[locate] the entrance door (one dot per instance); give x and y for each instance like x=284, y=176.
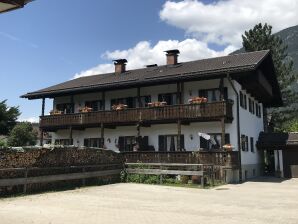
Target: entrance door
x=290, y=161
x=269, y=163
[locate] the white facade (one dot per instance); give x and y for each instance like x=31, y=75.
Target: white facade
x=250, y=124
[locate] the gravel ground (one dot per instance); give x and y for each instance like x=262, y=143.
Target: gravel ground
x=260, y=201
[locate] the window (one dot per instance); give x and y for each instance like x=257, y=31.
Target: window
x=93, y=142
x=214, y=142
x=132, y=102
x=252, y=147
x=96, y=105
x=251, y=106
x=170, y=98
x=213, y=95
x=66, y=108
x=258, y=110
x=244, y=142
x=168, y=143
x=243, y=100
x=63, y=141
x=126, y=143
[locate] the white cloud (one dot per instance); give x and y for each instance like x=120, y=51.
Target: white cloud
x=29, y=119
x=224, y=21
x=143, y=54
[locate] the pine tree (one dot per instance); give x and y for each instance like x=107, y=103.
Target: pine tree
x=261, y=38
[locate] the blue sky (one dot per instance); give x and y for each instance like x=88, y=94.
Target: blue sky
x=48, y=42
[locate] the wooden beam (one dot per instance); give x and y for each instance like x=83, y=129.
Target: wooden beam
x=223, y=132
x=102, y=135
x=139, y=97
x=179, y=136
x=103, y=100
x=41, y=130
x=70, y=134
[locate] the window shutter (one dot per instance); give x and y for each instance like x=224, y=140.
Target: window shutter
x=225, y=93
x=227, y=139
x=121, y=143
x=86, y=142
x=161, y=143
x=241, y=99
x=203, y=143
x=182, y=142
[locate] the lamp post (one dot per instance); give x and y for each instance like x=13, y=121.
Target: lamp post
x=8, y=5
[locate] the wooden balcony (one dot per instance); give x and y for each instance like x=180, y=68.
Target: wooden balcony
x=158, y=115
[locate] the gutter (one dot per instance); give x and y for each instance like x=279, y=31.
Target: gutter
x=238, y=127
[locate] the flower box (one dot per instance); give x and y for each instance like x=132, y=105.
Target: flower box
x=197, y=100
x=157, y=104
x=228, y=147
x=119, y=107
x=85, y=109
x=56, y=112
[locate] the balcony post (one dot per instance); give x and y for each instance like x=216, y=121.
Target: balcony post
x=72, y=103
x=180, y=87
x=103, y=100
x=102, y=135
x=42, y=114
x=223, y=132
x=139, y=97
x=179, y=135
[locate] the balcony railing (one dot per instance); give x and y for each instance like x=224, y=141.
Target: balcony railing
x=221, y=158
x=184, y=112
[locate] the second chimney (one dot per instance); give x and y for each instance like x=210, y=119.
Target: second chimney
x=120, y=65
x=172, y=56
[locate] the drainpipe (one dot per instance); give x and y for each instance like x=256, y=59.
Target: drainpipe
x=238, y=127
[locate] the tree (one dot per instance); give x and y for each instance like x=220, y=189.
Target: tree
x=22, y=135
x=8, y=117
x=261, y=38
x=291, y=126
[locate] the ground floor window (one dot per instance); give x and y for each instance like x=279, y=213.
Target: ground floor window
x=63, y=142
x=168, y=143
x=214, y=142
x=126, y=143
x=93, y=142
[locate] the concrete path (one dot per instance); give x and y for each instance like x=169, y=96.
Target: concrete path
x=251, y=202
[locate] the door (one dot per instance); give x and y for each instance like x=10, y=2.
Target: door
x=290, y=161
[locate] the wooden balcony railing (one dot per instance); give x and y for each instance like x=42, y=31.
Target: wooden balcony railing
x=190, y=112
x=221, y=158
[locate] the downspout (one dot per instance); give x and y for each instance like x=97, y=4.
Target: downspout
x=238, y=126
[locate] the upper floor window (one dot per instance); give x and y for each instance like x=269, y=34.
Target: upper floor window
x=251, y=106
x=66, y=108
x=170, y=98
x=96, y=105
x=63, y=141
x=258, y=110
x=213, y=95
x=243, y=100
x=132, y=102
x=214, y=142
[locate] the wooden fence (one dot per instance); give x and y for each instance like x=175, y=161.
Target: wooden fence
x=203, y=171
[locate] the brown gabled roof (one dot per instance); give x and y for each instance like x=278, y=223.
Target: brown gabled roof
x=277, y=141
x=205, y=68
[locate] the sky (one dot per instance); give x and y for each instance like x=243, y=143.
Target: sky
x=52, y=41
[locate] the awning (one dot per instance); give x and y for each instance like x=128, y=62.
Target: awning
x=277, y=141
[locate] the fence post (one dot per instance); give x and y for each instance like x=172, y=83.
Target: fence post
x=25, y=184
x=202, y=180
x=212, y=175
x=160, y=177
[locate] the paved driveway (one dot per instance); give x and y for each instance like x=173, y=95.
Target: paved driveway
x=251, y=202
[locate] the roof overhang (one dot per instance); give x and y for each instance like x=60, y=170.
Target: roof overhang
x=8, y=5
x=277, y=141
x=262, y=83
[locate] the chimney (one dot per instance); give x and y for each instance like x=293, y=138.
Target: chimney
x=120, y=65
x=172, y=56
